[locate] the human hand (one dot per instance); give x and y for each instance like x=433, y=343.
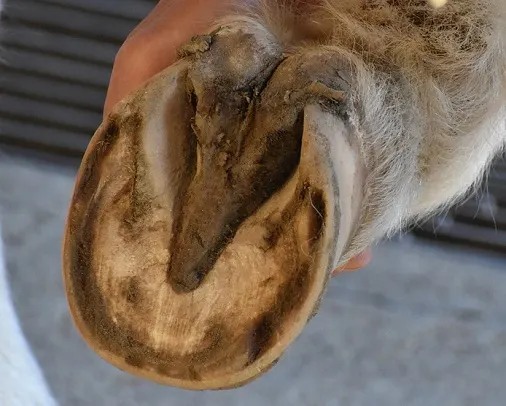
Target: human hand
x=152, y=46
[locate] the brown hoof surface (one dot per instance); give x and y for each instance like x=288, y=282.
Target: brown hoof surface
x=203, y=225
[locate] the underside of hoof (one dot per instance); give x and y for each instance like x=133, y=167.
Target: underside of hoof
x=203, y=226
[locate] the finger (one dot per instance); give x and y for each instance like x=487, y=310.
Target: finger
x=358, y=262
x=152, y=45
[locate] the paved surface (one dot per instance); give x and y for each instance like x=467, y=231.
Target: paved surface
x=423, y=325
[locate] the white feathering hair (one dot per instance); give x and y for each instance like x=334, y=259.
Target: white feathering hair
x=428, y=95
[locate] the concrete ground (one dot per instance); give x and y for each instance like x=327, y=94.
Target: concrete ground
x=424, y=324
